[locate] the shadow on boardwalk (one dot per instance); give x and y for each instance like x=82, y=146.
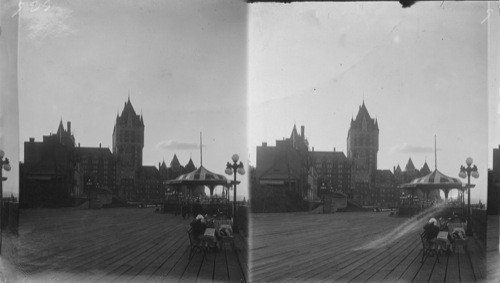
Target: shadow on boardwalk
x=356, y=246
x=125, y=244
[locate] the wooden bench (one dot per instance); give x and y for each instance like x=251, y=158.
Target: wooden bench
x=224, y=238
x=428, y=248
x=195, y=244
x=458, y=242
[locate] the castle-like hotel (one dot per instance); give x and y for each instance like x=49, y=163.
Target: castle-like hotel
x=320, y=174
x=57, y=172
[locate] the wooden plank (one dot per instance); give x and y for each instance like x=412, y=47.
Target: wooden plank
x=465, y=265
x=179, y=267
x=193, y=267
x=206, y=272
x=425, y=271
x=170, y=262
x=388, y=260
x=163, y=254
x=394, y=263
x=221, y=272
x=235, y=271
x=453, y=270
x=439, y=271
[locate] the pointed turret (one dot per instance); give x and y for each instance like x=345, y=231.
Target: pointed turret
x=190, y=166
x=425, y=169
x=409, y=166
x=60, y=129
x=363, y=120
x=175, y=162
x=294, y=132
x=129, y=116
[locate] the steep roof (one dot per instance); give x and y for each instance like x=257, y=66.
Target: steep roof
x=363, y=112
x=175, y=162
x=425, y=169
x=60, y=129
x=363, y=120
x=398, y=169
x=294, y=133
x=128, y=112
x=163, y=165
x=190, y=166
x=409, y=166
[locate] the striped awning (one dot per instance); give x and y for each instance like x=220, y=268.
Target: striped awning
x=434, y=180
x=200, y=176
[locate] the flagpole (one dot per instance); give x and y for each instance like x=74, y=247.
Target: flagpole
x=435, y=153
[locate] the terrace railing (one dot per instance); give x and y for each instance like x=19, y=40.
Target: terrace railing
x=10, y=216
x=242, y=218
x=478, y=224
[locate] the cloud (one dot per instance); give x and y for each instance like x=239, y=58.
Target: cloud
x=408, y=148
x=176, y=145
x=43, y=19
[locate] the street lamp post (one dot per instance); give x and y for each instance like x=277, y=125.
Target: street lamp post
x=467, y=172
x=4, y=165
x=231, y=169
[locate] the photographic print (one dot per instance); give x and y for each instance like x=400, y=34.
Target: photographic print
x=224, y=141
x=132, y=140
x=368, y=139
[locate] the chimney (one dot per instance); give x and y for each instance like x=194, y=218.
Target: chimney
x=99, y=145
x=32, y=139
x=78, y=144
x=69, y=127
x=302, y=131
x=334, y=149
x=264, y=144
x=313, y=148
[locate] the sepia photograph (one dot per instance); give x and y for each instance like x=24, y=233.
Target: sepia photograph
x=368, y=140
x=132, y=142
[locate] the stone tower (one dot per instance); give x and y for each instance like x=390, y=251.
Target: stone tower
x=362, y=149
x=128, y=143
x=362, y=141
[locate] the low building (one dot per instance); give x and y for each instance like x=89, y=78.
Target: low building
x=286, y=164
x=333, y=172
x=47, y=176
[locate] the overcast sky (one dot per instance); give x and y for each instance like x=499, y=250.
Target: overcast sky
x=183, y=63
x=421, y=71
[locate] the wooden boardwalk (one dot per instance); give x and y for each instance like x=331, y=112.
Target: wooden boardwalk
x=352, y=247
x=115, y=245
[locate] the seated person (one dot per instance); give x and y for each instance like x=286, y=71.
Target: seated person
x=432, y=229
x=198, y=226
x=226, y=231
x=458, y=234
